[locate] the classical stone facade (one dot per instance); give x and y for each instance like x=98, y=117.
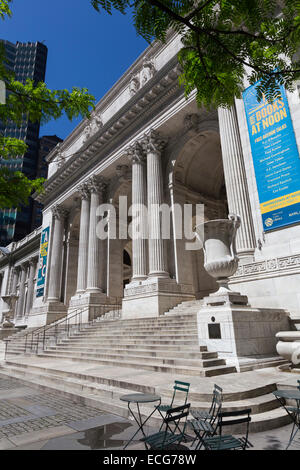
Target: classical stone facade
x=147, y=145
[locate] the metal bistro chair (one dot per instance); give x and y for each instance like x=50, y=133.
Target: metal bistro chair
x=230, y=442
x=174, y=431
x=178, y=387
x=205, y=422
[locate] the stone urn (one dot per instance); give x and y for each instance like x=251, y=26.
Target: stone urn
x=220, y=257
x=288, y=346
x=9, y=302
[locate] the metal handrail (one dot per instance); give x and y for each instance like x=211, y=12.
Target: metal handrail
x=42, y=330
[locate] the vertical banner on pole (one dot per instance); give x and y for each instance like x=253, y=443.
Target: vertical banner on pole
x=43, y=262
x=275, y=157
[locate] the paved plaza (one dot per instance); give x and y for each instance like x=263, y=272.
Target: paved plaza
x=32, y=419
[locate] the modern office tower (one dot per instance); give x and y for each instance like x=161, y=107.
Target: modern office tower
x=46, y=144
x=26, y=60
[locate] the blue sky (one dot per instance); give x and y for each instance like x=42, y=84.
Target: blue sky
x=85, y=48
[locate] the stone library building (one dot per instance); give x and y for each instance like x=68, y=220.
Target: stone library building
x=174, y=232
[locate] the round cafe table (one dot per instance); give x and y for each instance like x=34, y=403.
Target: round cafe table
x=138, y=398
x=292, y=411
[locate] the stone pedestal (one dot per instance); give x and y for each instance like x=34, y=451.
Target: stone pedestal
x=240, y=334
x=46, y=314
x=91, y=304
x=153, y=297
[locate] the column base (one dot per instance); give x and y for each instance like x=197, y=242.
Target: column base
x=92, y=305
x=242, y=335
x=153, y=297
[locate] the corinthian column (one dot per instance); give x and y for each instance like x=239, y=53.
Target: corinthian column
x=139, y=219
x=157, y=259
x=83, y=238
x=20, y=308
x=30, y=288
x=235, y=179
x=96, y=187
x=59, y=215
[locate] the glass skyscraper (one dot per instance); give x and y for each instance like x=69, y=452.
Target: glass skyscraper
x=26, y=60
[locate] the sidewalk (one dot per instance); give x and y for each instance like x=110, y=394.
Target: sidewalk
x=32, y=419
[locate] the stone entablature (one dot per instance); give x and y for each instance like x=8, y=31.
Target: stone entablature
x=134, y=80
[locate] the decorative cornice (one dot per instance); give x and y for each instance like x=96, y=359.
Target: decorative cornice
x=157, y=91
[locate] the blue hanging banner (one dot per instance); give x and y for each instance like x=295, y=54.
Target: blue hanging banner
x=275, y=157
x=43, y=262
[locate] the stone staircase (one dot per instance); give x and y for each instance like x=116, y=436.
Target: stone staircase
x=109, y=358
x=150, y=345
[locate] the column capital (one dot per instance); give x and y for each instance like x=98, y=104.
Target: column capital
x=153, y=142
x=83, y=191
x=136, y=153
x=59, y=212
x=96, y=184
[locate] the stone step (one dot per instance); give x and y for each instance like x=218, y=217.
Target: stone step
x=135, y=336
x=195, y=362
x=133, y=347
x=158, y=367
x=142, y=330
x=189, y=354
x=153, y=342
x=106, y=397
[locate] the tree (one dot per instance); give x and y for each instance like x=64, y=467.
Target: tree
x=37, y=103
x=224, y=41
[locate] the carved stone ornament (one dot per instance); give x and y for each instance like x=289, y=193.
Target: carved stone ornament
x=59, y=212
x=134, y=85
x=191, y=121
x=136, y=153
x=96, y=183
x=95, y=123
x=147, y=72
x=123, y=173
x=154, y=142
x=83, y=191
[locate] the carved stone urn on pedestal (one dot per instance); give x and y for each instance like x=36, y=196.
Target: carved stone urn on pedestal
x=220, y=257
x=9, y=302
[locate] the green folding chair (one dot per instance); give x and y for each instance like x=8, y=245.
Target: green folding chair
x=205, y=422
x=228, y=441
x=175, y=422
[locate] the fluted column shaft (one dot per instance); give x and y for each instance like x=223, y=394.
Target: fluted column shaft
x=15, y=274
x=21, y=299
x=157, y=257
x=93, y=278
x=139, y=220
x=30, y=287
x=83, y=239
x=235, y=179
x=59, y=216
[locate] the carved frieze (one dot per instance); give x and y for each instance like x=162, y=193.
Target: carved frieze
x=269, y=266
